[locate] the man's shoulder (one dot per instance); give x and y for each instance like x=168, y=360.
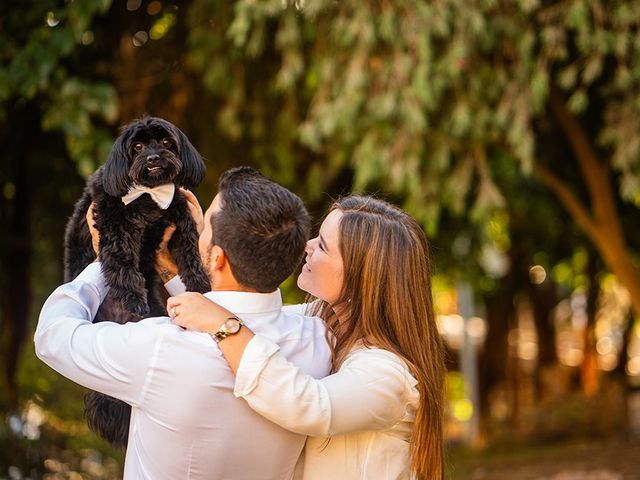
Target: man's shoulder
x=150, y=328
x=154, y=321
x=300, y=325
x=304, y=341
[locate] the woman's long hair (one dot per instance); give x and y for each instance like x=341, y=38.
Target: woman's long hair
x=386, y=303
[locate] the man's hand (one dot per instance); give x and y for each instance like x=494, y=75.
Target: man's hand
x=165, y=266
x=95, y=235
x=194, y=208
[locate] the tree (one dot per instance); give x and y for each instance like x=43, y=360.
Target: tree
x=38, y=94
x=461, y=111
x=421, y=97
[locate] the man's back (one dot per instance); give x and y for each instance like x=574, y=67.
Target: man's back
x=185, y=422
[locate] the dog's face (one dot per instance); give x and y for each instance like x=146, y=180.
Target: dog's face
x=154, y=154
x=151, y=151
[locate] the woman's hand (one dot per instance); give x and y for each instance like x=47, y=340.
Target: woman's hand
x=194, y=311
x=194, y=208
x=95, y=235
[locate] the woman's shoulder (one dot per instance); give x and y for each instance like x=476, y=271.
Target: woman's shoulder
x=360, y=350
x=378, y=357
x=390, y=369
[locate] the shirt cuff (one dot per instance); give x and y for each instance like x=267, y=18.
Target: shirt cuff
x=175, y=286
x=254, y=359
x=92, y=274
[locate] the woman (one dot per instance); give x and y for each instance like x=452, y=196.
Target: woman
x=380, y=413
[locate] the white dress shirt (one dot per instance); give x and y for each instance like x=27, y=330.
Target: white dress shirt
x=367, y=409
x=185, y=421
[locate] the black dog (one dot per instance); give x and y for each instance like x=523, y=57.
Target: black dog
x=150, y=152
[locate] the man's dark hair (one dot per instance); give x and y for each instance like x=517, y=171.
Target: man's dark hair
x=261, y=226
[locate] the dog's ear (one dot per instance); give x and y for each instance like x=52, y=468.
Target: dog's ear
x=115, y=179
x=193, y=167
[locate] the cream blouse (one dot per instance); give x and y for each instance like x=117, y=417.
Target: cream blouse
x=359, y=419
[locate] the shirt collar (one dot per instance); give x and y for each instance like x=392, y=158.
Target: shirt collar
x=247, y=302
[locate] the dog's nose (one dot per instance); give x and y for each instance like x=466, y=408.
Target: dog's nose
x=152, y=157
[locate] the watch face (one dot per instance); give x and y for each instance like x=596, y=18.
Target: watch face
x=232, y=325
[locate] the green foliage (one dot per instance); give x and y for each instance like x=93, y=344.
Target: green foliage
x=40, y=41
x=572, y=272
x=440, y=106
x=71, y=111
x=411, y=96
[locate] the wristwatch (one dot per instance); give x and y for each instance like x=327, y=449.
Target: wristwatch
x=231, y=326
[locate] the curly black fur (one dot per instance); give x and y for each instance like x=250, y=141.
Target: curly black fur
x=150, y=151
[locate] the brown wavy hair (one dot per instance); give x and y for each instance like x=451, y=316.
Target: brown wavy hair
x=386, y=302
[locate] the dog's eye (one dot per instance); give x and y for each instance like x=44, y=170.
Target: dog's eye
x=167, y=142
x=138, y=146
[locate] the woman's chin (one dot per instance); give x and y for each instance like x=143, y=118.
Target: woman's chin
x=305, y=284
x=301, y=282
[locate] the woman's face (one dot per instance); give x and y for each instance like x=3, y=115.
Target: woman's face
x=322, y=274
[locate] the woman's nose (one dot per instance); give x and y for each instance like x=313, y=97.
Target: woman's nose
x=310, y=245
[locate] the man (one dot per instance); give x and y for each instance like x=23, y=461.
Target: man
x=185, y=421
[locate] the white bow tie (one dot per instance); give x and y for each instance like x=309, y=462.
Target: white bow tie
x=162, y=194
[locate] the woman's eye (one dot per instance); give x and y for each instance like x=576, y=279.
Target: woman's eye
x=138, y=146
x=167, y=142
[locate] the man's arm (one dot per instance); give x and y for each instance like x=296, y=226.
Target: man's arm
x=165, y=266
x=106, y=357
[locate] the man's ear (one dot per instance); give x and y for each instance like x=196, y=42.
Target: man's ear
x=218, y=259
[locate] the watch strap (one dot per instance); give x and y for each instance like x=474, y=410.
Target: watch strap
x=223, y=332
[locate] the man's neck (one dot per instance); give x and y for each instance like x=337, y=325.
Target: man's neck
x=230, y=288
x=226, y=283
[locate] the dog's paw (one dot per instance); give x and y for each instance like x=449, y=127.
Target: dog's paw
x=140, y=310
x=136, y=305
x=197, y=283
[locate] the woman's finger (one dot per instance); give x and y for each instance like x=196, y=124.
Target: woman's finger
x=172, y=302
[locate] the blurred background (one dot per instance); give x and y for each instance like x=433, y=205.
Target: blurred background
x=509, y=128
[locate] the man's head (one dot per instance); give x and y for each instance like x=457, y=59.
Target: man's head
x=255, y=227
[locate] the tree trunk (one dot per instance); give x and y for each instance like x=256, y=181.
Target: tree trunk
x=494, y=363
x=601, y=222
x=15, y=253
x=589, y=375
x=543, y=299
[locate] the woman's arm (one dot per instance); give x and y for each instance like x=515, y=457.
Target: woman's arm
x=371, y=390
